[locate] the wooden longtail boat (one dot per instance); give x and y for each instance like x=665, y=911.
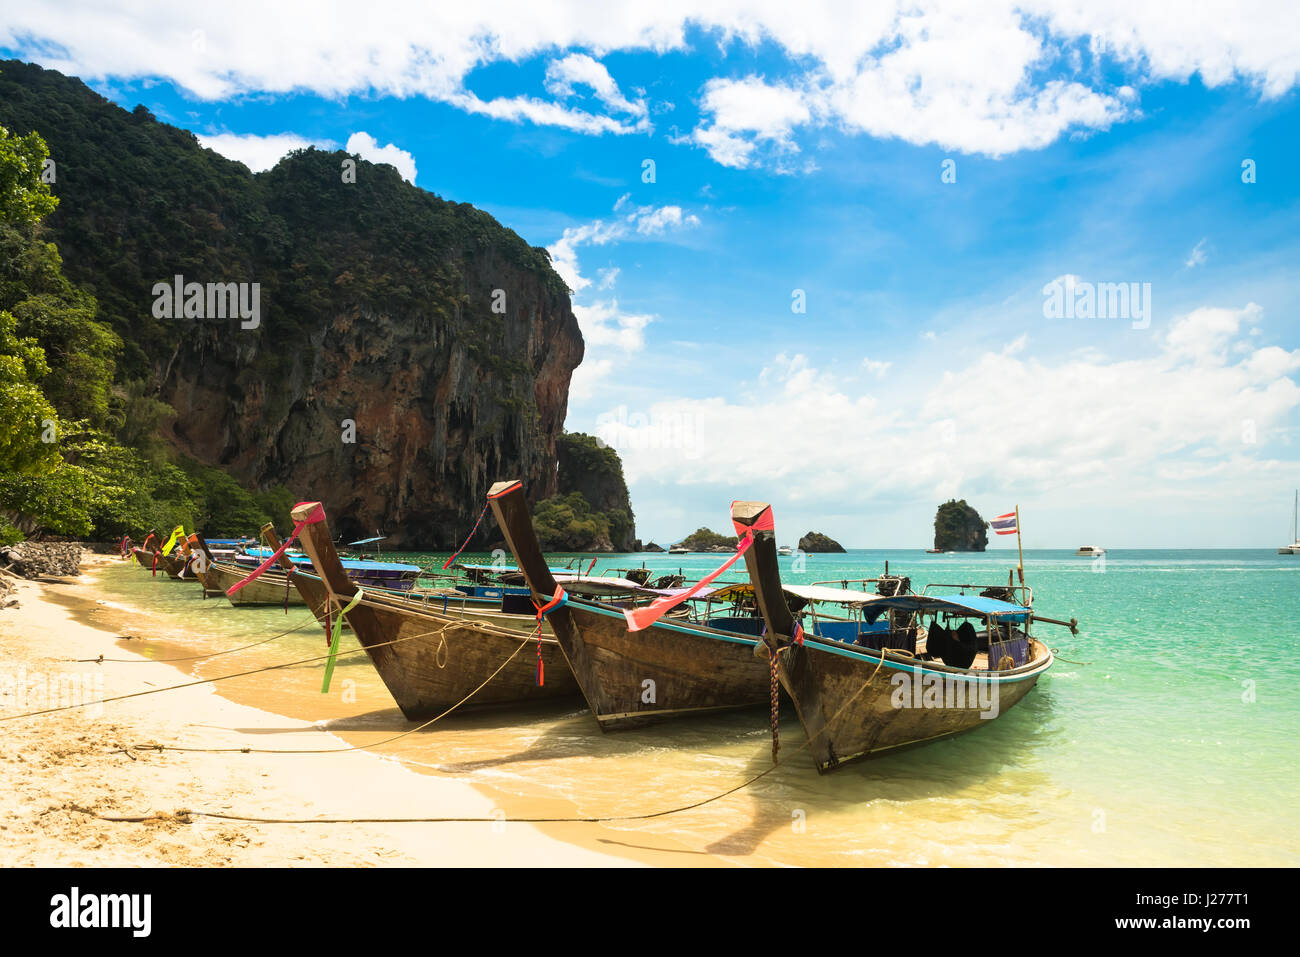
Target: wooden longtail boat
x=856, y=700
x=428, y=660
x=270, y=589
x=671, y=669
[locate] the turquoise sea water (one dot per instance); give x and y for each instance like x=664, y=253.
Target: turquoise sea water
x=1165, y=733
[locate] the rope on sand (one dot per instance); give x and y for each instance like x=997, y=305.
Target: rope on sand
x=238, y=674
x=186, y=815
x=355, y=747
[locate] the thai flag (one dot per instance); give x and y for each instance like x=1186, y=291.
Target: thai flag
x=1005, y=524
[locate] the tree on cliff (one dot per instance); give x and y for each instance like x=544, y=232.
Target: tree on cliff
x=589, y=466
x=377, y=304
x=959, y=528
x=63, y=465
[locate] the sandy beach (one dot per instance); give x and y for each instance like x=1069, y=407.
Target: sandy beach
x=63, y=770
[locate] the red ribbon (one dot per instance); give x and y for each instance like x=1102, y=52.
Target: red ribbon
x=639, y=619
x=447, y=563
x=558, y=599
x=317, y=515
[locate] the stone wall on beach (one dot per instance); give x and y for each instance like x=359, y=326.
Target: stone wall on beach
x=37, y=559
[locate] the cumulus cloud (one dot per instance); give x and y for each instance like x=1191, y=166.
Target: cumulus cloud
x=258, y=152
x=1086, y=422
x=989, y=78
x=367, y=147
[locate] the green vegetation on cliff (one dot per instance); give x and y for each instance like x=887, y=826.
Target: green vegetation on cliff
x=591, y=511
x=959, y=528
x=376, y=305
x=567, y=523
x=74, y=459
x=705, y=539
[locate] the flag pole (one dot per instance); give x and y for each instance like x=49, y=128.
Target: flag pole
x=1020, y=568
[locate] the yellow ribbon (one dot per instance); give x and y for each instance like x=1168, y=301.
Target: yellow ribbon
x=177, y=532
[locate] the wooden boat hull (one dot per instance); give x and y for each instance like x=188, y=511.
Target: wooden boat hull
x=171, y=565
x=430, y=661
x=854, y=701
x=852, y=705
x=630, y=679
x=270, y=589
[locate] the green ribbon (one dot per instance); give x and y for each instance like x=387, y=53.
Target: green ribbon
x=336, y=630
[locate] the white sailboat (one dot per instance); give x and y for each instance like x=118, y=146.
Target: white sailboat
x=1294, y=547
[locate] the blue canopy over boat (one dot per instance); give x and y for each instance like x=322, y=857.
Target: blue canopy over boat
x=503, y=569
x=353, y=564
x=955, y=604
x=367, y=541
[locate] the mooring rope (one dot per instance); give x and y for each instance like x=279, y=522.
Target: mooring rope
x=240, y=674
x=215, y=654
x=355, y=747
x=186, y=815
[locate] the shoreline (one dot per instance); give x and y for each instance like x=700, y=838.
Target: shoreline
x=59, y=764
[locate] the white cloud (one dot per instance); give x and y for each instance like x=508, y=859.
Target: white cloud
x=367, y=147
x=603, y=324
x=876, y=367
x=258, y=152
x=991, y=78
x=578, y=69
x=1197, y=256
x=1128, y=427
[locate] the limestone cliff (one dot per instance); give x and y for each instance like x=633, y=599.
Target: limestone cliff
x=959, y=528
x=408, y=351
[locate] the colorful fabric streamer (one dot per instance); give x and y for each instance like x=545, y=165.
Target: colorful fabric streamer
x=334, y=634
x=639, y=619
x=316, y=515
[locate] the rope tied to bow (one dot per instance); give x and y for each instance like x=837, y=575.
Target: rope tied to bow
x=465, y=544
x=559, y=599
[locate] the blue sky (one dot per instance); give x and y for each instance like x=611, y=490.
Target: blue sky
x=802, y=158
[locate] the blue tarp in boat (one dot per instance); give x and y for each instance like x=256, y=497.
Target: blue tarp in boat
x=350, y=563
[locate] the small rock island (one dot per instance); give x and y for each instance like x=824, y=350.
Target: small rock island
x=817, y=542
x=959, y=528
x=707, y=540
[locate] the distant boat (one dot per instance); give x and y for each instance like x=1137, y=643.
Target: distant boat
x=1090, y=551
x=785, y=550
x=1294, y=547
x=678, y=550
x=934, y=551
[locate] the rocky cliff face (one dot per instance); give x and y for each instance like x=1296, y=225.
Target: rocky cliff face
x=959, y=528
x=408, y=352
x=817, y=542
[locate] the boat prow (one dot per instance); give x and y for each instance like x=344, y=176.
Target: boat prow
x=863, y=689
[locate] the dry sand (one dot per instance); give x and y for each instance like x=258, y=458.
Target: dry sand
x=61, y=770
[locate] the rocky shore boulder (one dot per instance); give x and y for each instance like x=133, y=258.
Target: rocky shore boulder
x=35, y=559
x=817, y=542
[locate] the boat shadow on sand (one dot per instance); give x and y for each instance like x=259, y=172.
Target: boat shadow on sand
x=564, y=731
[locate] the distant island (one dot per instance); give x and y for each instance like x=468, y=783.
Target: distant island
x=959, y=528
x=652, y=547
x=707, y=540
x=817, y=542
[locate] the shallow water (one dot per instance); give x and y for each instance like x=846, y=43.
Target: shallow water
x=1173, y=744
